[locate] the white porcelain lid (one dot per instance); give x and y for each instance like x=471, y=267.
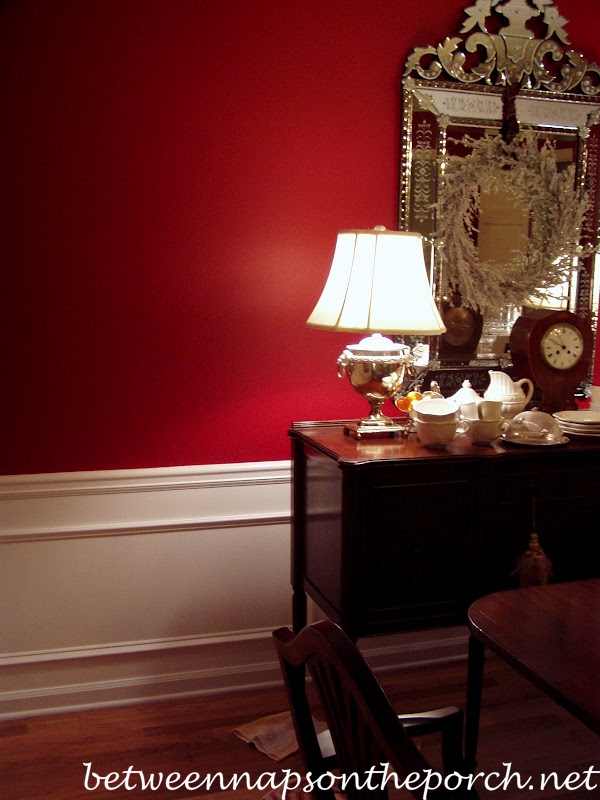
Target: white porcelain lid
x=381, y=345
x=466, y=394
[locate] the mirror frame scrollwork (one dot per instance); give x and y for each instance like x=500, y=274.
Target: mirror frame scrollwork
x=510, y=62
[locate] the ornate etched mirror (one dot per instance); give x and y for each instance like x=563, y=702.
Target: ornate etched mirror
x=500, y=163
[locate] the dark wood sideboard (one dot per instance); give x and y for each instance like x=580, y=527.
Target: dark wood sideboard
x=390, y=536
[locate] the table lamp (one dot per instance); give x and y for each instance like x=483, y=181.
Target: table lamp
x=378, y=285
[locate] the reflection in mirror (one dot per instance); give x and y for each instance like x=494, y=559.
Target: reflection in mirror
x=508, y=108
x=546, y=203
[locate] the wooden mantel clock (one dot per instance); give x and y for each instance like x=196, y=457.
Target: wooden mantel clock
x=555, y=352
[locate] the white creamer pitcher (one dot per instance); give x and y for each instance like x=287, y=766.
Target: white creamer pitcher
x=509, y=392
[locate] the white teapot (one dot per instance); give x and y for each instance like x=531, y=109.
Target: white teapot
x=509, y=392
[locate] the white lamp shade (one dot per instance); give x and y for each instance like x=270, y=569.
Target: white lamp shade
x=378, y=283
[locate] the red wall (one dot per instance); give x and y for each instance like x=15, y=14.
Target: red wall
x=174, y=177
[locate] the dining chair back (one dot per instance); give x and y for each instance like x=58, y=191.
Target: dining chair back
x=366, y=741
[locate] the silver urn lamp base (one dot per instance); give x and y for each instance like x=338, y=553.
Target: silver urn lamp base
x=375, y=368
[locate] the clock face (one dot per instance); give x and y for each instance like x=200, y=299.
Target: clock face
x=460, y=326
x=561, y=346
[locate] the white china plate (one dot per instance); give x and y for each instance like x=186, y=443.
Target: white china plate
x=586, y=426
x=533, y=441
x=582, y=434
x=581, y=417
x=572, y=428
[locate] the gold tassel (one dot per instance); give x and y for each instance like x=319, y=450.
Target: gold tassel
x=534, y=568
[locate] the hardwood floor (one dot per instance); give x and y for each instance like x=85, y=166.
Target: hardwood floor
x=43, y=758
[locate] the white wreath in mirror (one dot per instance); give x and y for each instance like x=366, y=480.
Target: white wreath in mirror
x=528, y=170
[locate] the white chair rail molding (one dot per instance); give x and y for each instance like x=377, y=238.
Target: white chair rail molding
x=126, y=586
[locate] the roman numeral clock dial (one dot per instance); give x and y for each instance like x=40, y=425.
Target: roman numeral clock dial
x=562, y=346
x=555, y=352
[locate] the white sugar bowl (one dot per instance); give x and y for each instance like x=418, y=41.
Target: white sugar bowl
x=467, y=399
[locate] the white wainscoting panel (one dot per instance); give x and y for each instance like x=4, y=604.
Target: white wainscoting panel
x=132, y=585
